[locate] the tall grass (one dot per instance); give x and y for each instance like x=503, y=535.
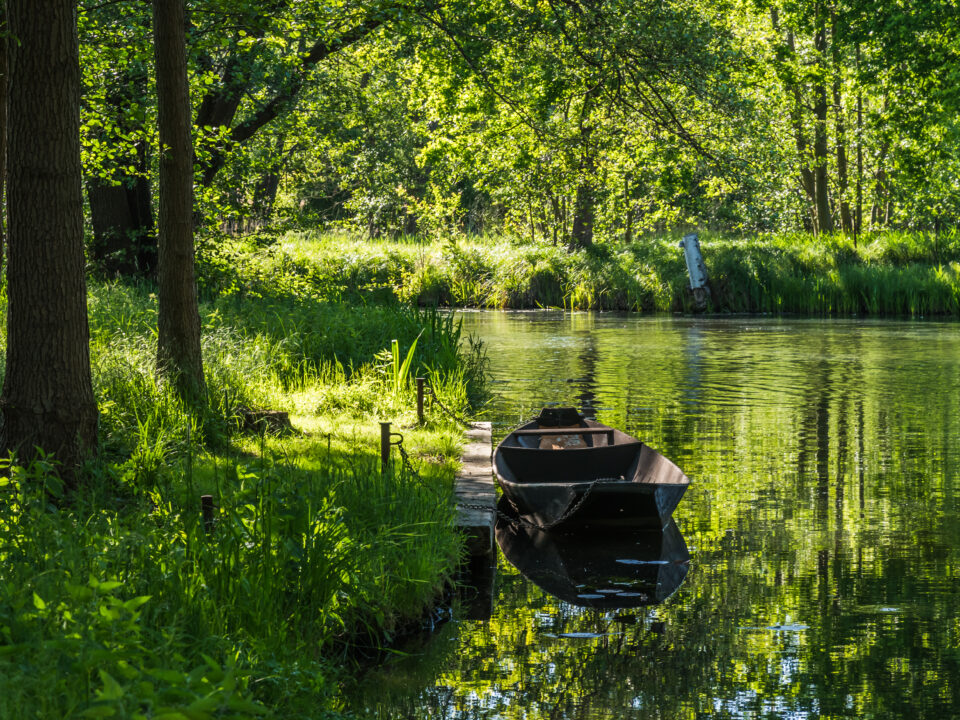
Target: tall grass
x=893, y=273
x=119, y=602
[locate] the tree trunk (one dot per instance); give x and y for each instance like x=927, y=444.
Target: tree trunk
x=124, y=239
x=841, y=130
x=880, y=190
x=47, y=399
x=800, y=137
x=178, y=341
x=628, y=212
x=824, y=218
x=584, y=208
x=858, y=217
x=265, y=195
x=4, y=88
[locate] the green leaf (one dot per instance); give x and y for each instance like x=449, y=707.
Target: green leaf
x=99, y=711
x=136, y=602
x=112, y=690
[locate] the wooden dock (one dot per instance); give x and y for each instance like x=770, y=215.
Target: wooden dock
x=475, y=488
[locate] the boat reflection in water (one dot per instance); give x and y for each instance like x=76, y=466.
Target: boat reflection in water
x=598, y=570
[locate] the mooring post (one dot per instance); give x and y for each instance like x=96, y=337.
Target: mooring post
x=384, y=447
x=206, y=509
x=420, y=385
x=696, y=269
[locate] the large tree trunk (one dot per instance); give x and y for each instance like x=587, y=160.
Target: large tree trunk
x=179, y=356
x=124, y=239
x=581, y=235
x=824, y=218
x=47, y=399
x=4, y=91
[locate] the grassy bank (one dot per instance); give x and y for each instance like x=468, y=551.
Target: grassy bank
x=889, y=274
x=120, y=602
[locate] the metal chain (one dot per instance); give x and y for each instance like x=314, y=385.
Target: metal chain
x=447, y=411
x=409, y=466
x=500, y=514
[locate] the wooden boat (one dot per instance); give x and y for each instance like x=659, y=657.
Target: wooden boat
x=597, y=570
x=565, y=472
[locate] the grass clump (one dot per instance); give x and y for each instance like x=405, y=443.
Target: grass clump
x=120, y=601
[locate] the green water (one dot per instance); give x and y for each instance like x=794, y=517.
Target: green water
x=822, y=526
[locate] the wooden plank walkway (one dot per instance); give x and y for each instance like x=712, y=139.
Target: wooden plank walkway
x=475, y=487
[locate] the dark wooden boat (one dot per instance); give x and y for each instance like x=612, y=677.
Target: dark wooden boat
x=599, y=570
x=565, y=472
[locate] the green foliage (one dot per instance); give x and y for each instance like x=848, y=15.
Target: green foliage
x=401, y=370
x=494, y=118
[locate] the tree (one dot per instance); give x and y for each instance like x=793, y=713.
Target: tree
x=47, y=398
x=118, y=132
x=179, y=356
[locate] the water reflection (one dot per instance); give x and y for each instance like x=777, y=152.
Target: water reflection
x=603, y=571
x=822, y=523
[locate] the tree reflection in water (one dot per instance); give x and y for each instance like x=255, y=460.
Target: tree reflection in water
x=821, y=522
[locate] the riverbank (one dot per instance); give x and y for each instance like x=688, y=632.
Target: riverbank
x=122, y=601
x=885, y=274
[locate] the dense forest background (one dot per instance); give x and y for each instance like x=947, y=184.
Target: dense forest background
x=559, y=120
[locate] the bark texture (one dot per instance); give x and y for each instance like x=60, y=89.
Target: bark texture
x=178, y=342
x=124, y=239
x=4, y=86
x=47, y=398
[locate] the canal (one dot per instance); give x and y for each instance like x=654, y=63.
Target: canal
x=819, y=574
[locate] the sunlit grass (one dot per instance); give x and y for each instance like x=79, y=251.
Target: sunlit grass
x=890, y=273
x=120, y=602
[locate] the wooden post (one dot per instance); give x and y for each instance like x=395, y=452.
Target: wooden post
x=384, y=447
x=206, y=508
x=420, y=384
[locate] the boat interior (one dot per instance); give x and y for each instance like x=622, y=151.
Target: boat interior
x=578, y=450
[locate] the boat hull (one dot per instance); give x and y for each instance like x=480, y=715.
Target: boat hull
x=611, y=481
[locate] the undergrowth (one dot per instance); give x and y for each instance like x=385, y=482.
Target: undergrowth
x=890, y=273
x=120, y=600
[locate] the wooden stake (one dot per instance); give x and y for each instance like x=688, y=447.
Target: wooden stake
x=420, y=385
x=206, y=508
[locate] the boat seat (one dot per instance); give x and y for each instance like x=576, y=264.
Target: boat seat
x=562, y=442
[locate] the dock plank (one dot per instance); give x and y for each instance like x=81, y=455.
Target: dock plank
x=475, y=487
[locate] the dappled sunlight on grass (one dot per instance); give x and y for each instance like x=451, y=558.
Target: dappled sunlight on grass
x=125, y=601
